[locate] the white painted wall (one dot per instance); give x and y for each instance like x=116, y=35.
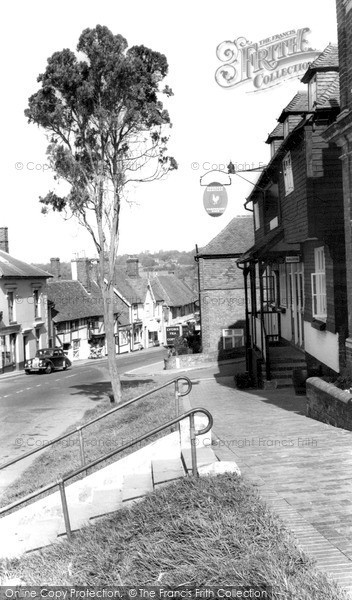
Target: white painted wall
x=324, y=345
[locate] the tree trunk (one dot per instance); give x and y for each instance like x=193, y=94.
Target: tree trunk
x=109, y=322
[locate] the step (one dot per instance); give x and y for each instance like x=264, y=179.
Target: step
x=136, y=486
x=205, y=456
x=273, y=383
x=167, y=470
x=276, y=366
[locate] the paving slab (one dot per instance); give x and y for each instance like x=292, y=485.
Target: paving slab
x=300, y=467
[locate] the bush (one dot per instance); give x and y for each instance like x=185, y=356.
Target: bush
x=243, y=380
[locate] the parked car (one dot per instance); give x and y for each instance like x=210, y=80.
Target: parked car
x=47, y=360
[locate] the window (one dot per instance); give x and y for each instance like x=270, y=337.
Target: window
x=10, y=304
x=232, y=338
x=123, y=337
x=312, y=92
x=319, y=286
x=286, y=127
x=288, y=174
x=36, y=304
x=256, y=216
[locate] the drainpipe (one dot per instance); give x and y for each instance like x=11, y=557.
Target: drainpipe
x=196, y=258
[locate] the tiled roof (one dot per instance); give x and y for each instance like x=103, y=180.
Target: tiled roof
x=12, y=267
x=277, y=133
x=331, y=96
x=236, y=238
x=72, y=301
x=173, y=291
x=327, y=60
x=298, y=105
x=133, y=289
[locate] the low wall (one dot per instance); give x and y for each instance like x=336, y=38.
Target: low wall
x=185, y=361
x=329, y=404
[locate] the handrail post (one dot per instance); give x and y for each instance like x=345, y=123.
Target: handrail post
x=81, y=445
x=65, y=509
x=177, y=398
x=193, y=445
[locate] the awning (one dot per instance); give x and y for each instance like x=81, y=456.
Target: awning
x=274, y=247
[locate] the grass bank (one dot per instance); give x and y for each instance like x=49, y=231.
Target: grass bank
x=195, y=532
x=104, y=436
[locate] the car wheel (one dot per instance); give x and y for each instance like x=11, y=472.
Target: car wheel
x=65, y=366
x=27, y=372
x=48, y=369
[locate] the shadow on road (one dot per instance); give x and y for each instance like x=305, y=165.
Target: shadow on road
x=102, y=389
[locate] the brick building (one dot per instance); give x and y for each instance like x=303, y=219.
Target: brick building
x=221, y=288
x=298, y=259
x=340, y=133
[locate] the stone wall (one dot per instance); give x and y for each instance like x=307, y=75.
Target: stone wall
x=329, y=404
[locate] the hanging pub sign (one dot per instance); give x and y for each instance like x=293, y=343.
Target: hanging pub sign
x=215, y=199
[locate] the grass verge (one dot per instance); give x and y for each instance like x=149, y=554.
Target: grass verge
x=195, y=532
x=99, y=439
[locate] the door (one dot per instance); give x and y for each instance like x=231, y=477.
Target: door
x=297, y=303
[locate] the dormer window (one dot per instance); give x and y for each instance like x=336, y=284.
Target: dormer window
x=286, y=127
x=312, y=92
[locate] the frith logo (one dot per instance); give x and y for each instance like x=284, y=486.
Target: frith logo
x=266, y=63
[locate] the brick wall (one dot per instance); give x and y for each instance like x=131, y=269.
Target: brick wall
x=344, y=28
x=328, y=404
x=222, y=301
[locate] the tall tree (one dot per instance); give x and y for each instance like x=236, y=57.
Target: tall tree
x=107, y=130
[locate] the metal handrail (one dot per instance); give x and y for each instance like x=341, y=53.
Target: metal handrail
x=79, y=429
x=61, y=482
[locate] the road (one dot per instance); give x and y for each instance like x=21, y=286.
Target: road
x=37, y=408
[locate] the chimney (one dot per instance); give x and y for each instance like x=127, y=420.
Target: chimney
x=132, y=267
x=81, y=271
x=4, y=239
x=55, y=268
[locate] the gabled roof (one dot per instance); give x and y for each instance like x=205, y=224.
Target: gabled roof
x=328, y=60
x=133, y=289
x=235, y=238
x=12, y=267
x=72, y=301
x=297, y=106
x=276, y=134
x=172, y=290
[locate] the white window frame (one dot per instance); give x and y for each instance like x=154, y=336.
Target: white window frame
x=318, y=281
x=286, y=127
x=233, y=335
x=283, y=285
x=288, y=174
x=256, y=215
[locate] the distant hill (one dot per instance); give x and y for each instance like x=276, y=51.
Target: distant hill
x=170, y=261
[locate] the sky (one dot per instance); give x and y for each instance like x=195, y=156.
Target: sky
x=211, y=124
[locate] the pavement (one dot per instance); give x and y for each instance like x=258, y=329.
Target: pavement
x=299, y=466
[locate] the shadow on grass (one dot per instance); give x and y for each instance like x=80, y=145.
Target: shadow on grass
x=102, y=389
